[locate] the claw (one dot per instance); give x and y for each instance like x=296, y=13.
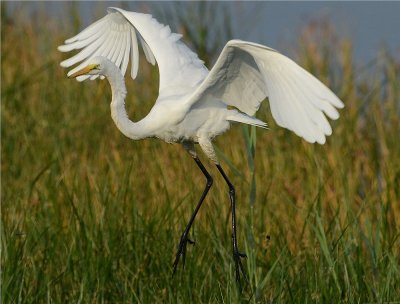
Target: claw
x=239, y=266
x=181, y=253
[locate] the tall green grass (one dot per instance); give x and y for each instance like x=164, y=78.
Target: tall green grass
x=89, y=216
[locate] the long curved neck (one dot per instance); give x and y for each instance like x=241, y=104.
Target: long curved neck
x=129, y=128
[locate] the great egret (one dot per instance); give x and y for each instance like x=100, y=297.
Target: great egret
x=194, y=104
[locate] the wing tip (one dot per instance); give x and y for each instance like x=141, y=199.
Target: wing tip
x=65, y=63
x=336, y=101
x=340, y=104
x=63, y=48
x=321, y=140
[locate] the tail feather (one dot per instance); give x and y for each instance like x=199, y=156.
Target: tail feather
x=244, y=118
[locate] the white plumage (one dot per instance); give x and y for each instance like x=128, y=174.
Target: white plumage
x=243, y=76
x=192, y=106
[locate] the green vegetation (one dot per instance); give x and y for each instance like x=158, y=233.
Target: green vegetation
x=89, y=216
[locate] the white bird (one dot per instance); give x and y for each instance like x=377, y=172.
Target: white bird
x=194, y=104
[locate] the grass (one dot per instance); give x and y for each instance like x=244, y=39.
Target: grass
x=89, y=216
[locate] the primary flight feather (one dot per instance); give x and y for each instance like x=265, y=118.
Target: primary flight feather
x=192, y=106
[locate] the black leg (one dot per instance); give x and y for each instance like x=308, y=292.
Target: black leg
x=184, y=238
x=236, y=254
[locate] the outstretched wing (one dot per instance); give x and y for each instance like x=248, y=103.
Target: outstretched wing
x=245, y=73
x=116, y=36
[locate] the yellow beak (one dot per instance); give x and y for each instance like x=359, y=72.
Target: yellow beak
x=83, y=71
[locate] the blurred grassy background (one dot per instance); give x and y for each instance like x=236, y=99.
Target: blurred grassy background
x=91, y=216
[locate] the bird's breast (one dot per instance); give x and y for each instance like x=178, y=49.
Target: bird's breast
x=198, y=122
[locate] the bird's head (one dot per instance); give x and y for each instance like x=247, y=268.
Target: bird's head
x=96, y=66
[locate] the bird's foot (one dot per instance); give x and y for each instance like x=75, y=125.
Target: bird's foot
x=238, y=265
x=181, y=251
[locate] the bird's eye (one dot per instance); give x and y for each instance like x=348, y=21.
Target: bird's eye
x=95, y=67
